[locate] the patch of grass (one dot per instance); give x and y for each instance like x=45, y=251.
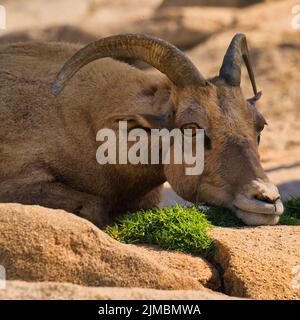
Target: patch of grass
x=222, y=217
x=291, y=214
x=183, y=229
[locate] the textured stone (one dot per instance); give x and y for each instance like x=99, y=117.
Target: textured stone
x=40, y=244
x=185, y=27
x=53, y=290
x=212, y=3
x=261, y=262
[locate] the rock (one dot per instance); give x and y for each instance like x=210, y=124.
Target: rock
x=40, y=244
x=103, y=14
x=212, y=3
x=271, y=17
x=21, y=290
x=60, y=33
x=261, y=262
x=185, y=27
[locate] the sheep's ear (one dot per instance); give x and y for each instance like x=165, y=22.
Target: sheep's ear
x=146, y=121
x=252, y=101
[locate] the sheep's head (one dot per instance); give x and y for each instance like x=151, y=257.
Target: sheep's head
x=233, y=175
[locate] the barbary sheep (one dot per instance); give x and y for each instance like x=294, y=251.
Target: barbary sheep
x=54, y=100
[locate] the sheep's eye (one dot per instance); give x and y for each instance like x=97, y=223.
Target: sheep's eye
x=190, y=129
x=259, y=130
x=192, y=132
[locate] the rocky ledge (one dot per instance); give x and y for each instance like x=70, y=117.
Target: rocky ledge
x=54, y=254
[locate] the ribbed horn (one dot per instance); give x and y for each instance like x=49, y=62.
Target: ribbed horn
x=159, y=53
x=237, y=52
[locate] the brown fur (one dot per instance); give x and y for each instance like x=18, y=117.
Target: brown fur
x=48, y=145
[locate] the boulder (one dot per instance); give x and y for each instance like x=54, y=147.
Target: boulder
x=40, y=244
x=65, y=33
x=21, y=290
x=261, y=262
x=211, y=3
x=185, y=27
x=97, y=16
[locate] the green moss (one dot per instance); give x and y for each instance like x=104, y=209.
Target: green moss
x=183, y=229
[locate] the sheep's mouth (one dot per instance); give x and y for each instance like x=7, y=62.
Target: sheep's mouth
x=256, y=212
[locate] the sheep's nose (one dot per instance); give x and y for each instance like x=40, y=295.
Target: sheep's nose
x=260, y=197
x=266, y=192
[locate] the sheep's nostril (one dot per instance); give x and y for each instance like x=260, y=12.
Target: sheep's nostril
x=266, y=199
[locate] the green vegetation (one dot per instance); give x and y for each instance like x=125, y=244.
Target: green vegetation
x=291, y=214
x=185, y=229
x=222, y=217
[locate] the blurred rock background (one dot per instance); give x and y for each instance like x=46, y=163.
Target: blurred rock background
x=203, y=29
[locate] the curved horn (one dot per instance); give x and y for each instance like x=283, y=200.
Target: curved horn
x=232, y=63
x=160, y=54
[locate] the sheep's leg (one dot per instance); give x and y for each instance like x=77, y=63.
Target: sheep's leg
x=57, y=196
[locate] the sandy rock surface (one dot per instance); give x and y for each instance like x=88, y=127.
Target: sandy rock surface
x=261, y=262
x=185, y=27
x=212, y=3
x=45, y=245
x=40, y=244
x=48, y=290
